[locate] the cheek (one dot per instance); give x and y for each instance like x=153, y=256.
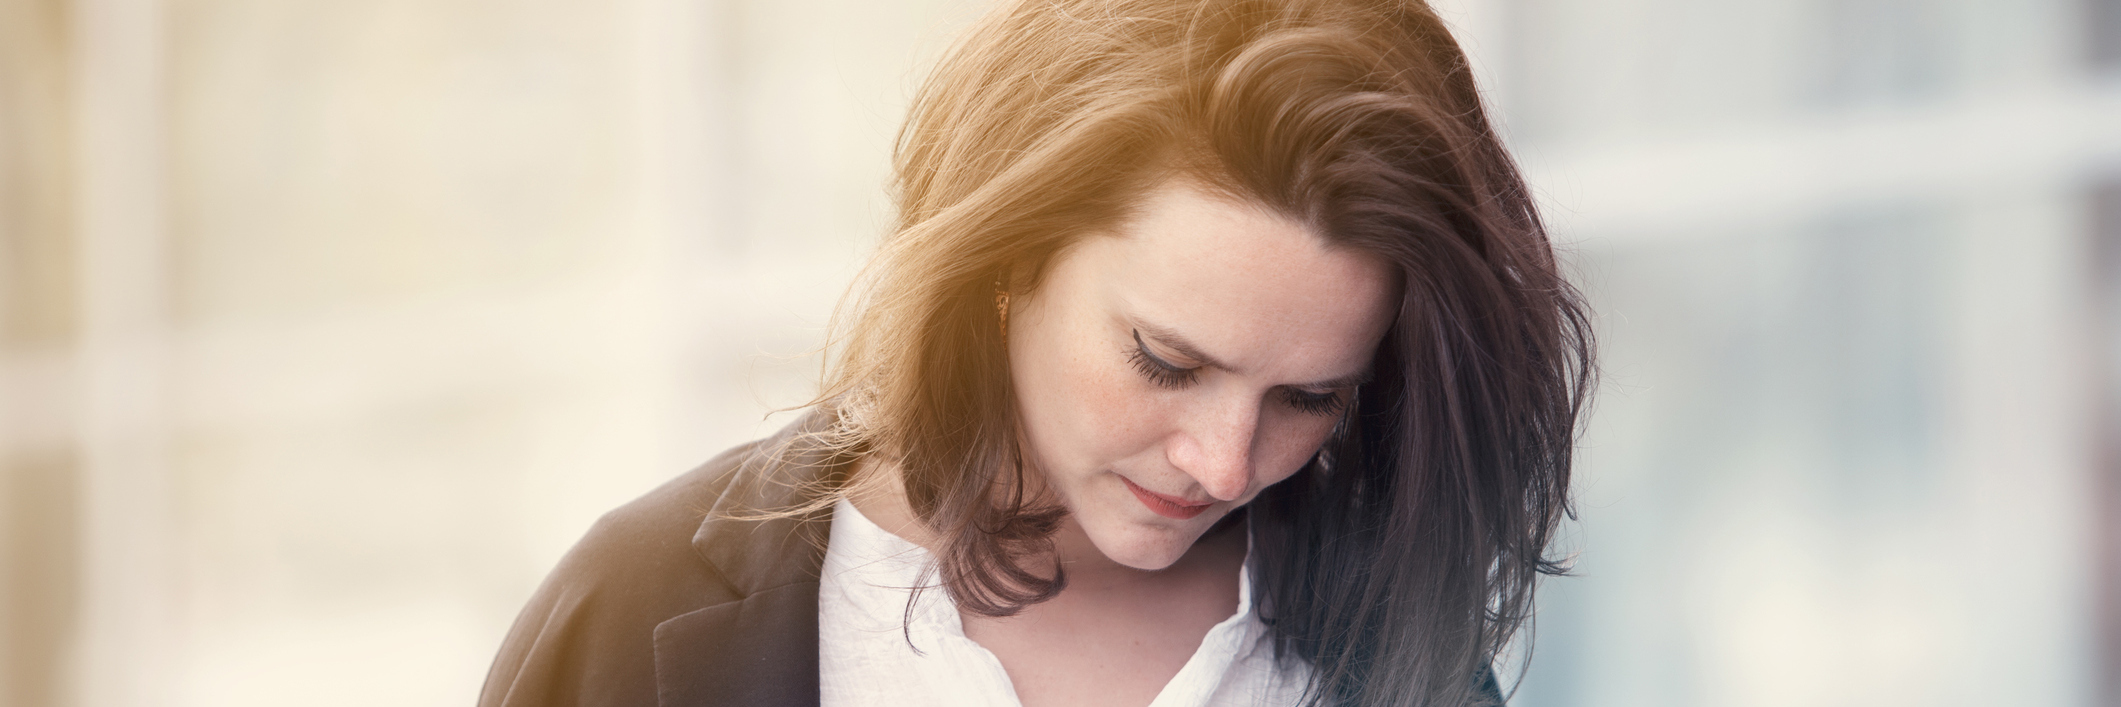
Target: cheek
x=1081, y=411
x=1117, y=419
x=1287, y=440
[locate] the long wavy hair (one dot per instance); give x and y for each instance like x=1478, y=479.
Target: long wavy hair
x=1402, y=558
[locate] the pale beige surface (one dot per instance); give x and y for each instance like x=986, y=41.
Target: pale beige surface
x=439, y=282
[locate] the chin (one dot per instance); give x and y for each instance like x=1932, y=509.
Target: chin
x=1147, y=547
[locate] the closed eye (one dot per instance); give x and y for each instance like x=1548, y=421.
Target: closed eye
x=1159, y=371
x=1308, y=402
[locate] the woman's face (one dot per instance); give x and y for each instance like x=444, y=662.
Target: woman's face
x=1169, y=371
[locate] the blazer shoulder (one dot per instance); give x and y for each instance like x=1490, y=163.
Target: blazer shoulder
x=587, y=635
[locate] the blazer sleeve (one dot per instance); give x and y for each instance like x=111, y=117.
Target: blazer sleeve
x=587, y=637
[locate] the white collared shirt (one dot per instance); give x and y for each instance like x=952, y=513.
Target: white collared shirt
x=864, y=657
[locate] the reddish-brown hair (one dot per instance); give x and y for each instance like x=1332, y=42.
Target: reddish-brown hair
x=1403, y=557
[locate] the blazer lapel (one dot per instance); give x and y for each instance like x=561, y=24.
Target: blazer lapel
x=760, y=649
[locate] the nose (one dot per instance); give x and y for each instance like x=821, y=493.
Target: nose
x=1216, y=449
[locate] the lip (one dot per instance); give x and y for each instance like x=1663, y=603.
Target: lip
x=1163, y=505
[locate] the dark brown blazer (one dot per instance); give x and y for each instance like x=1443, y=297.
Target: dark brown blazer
x=669, y=602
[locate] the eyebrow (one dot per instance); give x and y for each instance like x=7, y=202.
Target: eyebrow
x=1178, y=342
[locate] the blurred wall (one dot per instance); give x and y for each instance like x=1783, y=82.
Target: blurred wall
x=1849, y=447
x=329, y=325
x=326, y=326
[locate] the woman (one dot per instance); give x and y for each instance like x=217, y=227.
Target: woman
x=1218, y=357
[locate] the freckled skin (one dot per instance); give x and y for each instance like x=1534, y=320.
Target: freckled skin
x=1276, y=312
x=1260, y=294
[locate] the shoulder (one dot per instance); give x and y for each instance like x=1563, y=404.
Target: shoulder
x=643, y=549
x=587, y=636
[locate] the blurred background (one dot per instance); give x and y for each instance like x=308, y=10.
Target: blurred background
x=327, y=325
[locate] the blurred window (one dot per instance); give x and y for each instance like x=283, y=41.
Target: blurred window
x=2104, y=27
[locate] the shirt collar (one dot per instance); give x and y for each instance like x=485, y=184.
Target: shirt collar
x=876, y=568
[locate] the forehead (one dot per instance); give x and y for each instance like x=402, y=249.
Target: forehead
x=1242, y=280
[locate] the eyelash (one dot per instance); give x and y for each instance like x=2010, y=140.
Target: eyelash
x=1321, y=404
x=1156, y=369
x=1165, y=375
